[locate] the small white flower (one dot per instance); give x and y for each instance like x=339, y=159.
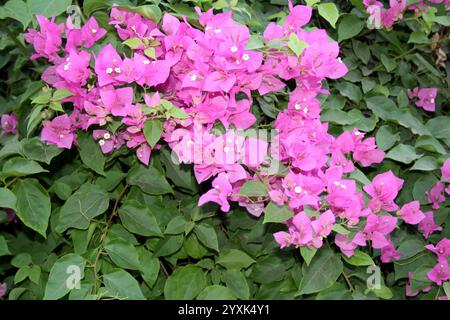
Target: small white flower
x=298, y=189
x=297, y=106
x=61, y=136
x=245, y=57
x=106, y=136
x=194, y=77
x=234, y=49
x=66, y=67
x=117, y=70
x=109, y=70
x=101, y=142
x=226, y=149
x=217, y=31
x=305, y=110
x=145, y=61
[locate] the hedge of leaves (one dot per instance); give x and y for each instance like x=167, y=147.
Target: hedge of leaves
x=96, y=107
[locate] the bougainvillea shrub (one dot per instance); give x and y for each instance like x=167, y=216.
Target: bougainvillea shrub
x=225, y=149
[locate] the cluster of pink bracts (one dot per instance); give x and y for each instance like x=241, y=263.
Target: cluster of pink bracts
x=384, y=18
x=210, y=75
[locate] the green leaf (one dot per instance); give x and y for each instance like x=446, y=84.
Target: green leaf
x=150, y=52
x=439, y=128
x=216, y=292
x=176, y=225
x=22, y=259
x=429, y=143
x=180, y=174
x=446, y=286
x=173, y=110
x=64, y=276
x=234, y=259
x=407, y=120
x=33, y=205
x=133, y=43
x=85, y=204
x=426, y=163
x=20, y=167
x=90, y=153
x=403, y=153
x=168, y=245
x=362, y=51
x=443, y=20
x=152, y=131
x=35, y=149
x=349, y=26
x=151, y=12
x=329, y=12
x=49, y=8
x=388, y=63
x=386, y=137
x=7, y=199
x=138, y=219
x=121, y=285
x=150, y=267
x=349, y=90
x=150, y=180
x=185, y=283
x=207, y=236
x=4, y=250
x=123, y=254
x=296, y=45
x=236, y=281
x=253, y=188
x=276, y=213
x=420, y=279
x=254, y=42
x=381, y=106
x=308, y=254
x=18, y=10
x=61, y=94
x=339, y=228
x=311, y=3
x=423, y=185
x=383, y=292
x=418, y=37
x=359, y=259
x=322, y=273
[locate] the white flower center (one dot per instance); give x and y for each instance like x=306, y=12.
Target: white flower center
x=233, y=49
x=106, y=136
x=298, y=189
x=245, y=57
x=101, y=142
x=109, y=70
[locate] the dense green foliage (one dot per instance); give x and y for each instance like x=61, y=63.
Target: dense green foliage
x=137, y=232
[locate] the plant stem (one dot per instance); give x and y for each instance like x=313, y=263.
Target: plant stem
x=104, y=233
